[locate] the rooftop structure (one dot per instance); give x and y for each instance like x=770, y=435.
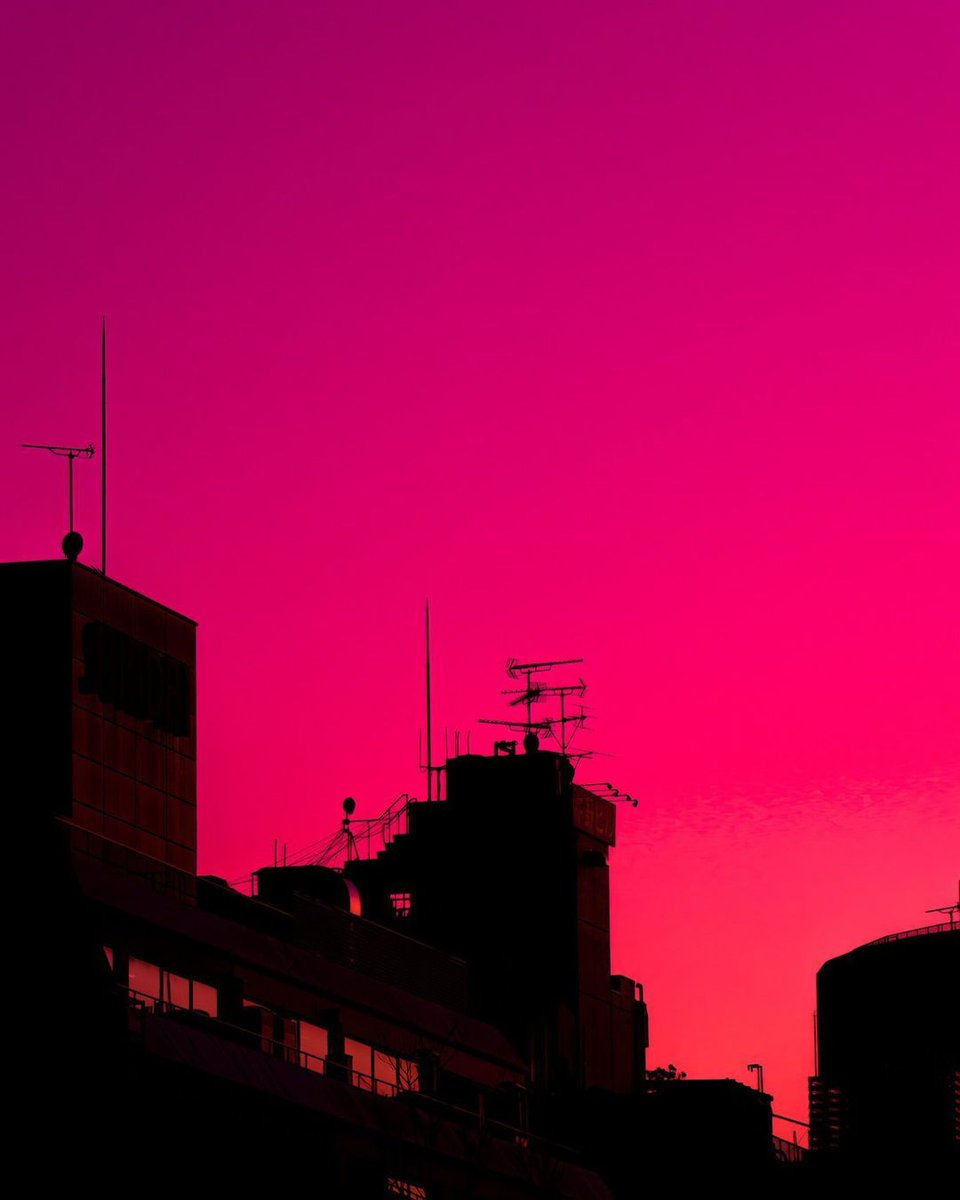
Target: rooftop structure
x=887, y=1087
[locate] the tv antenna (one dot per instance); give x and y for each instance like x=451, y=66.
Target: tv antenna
x=73, y=542
x=532, y=692
x=535, y=691
x=530, y=695
x=530, y=739
x=951, y=911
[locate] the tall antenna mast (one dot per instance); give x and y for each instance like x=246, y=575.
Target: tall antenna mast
x=103, y=446
x=429, y=725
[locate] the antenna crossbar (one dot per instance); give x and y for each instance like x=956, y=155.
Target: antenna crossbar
x=69, y=453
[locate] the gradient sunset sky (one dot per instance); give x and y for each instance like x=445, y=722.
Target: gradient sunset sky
x=629, y=331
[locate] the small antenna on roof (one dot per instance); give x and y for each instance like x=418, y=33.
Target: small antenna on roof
x=73, y=542
x=533, y=692
x=952, y=911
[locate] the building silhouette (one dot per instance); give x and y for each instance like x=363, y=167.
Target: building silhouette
x=435, y=1018
x=887, y=1088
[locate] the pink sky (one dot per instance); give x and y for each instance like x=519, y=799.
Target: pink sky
x=624, y=331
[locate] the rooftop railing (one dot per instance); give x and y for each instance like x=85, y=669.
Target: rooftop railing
x=335, y=1068
x=329, y=1065
x=943, y=927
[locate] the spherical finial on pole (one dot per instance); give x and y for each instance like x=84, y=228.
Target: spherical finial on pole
x=72, y=545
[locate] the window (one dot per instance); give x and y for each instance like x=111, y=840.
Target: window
x=401, y=903
x=380, y=1071
x=401, y=1187
x=108, y=954
x=376, y=1071
x=152, y=986
x=408, y=1075
x=361, y=1056
x=145, y=981
x=313, y=1047
x=204, y=998
x=393, y=1074
x=175, y=989
x=384, y=1074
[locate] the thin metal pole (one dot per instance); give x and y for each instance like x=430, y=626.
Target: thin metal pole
x=103, y=446
x=70, y=488
x=429, y=726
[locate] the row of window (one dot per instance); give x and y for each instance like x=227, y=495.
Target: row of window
x=402, y=1187
x=153, y=985
x=380, y=1072
x=307, y=1044
x=371, y=1070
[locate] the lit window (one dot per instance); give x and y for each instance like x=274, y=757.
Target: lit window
x=176, y=990
x=400, y=1187
x=401, y=903
x=408, y=1075
x=145, y=981
x=108, y=953
x=152, y=986
x=378, y=1070
x=204, y=998
x=394, y=1074
x=361, y=1056
x=313, y=1047
x=384, y=1074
